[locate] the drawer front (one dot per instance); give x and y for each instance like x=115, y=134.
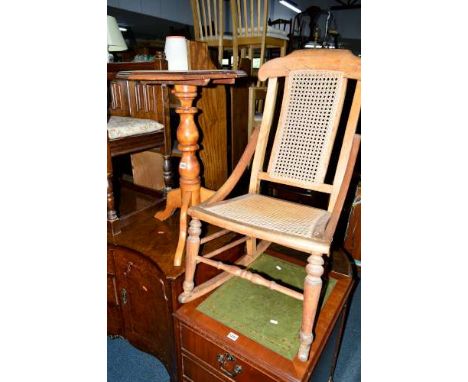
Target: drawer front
x=197, y=373
x=223, y=361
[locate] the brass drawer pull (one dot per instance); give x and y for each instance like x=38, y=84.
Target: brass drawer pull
x=222, y=359
x=123, y=294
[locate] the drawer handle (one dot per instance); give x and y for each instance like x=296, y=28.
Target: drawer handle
x=123, y=294
x=222, y=359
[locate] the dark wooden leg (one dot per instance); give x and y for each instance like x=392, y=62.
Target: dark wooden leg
x=113, y=223
x=312, y=289
x=168, y=174
x=193, y=245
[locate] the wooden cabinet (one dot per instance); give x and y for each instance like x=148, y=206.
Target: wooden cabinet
x=143, y=284
x=207, y=353
x=114, y=316
x=139, y=304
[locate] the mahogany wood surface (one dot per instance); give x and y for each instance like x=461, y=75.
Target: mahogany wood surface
x=190, y=77
x=143, y=284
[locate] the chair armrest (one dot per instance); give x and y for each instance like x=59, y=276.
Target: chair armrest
x=244, y=161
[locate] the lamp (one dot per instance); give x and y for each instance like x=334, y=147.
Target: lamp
x=115, y=40
x=291, y=5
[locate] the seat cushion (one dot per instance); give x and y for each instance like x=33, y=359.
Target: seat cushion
x=212, y=38
x=120, y=127
x=268, y=213
x=278, y=33
x=271, y=32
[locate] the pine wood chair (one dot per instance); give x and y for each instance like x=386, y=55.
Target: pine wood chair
x=250, y=30
x=311, y=111
x=208, y=24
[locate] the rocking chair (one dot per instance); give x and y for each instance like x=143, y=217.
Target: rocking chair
x=311, y=111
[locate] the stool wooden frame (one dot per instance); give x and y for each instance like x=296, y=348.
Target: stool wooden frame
x=309, y=64
x=250, y=30
x=208, y=25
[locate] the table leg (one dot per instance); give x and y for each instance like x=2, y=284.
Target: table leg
x=173, y=201
x=190, y=192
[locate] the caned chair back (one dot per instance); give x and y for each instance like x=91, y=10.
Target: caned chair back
x=208, y=19
x=314, y=92
x=249, y=17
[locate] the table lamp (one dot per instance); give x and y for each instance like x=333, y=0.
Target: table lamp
x=115, y=40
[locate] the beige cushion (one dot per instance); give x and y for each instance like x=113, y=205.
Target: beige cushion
x=119, y=127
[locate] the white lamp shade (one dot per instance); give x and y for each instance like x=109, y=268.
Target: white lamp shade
x=176, y=53
x=115, y=40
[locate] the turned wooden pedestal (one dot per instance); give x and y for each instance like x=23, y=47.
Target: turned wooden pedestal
x=185, y=89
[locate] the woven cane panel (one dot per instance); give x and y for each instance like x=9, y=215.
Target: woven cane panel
x=269, y=213
x=302, y=145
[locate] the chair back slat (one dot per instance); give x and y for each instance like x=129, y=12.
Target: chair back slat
x=197, y=26
x=258, y=15
x=216, y=19
x=246, y=20
x=250, y=17
x=208, y=19
x=205, y=30
x=239, y=16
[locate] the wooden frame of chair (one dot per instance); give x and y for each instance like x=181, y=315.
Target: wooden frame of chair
x=257, y=95
x=208, y=24
x=138, y=100
x=345, y=66
x=249, y=30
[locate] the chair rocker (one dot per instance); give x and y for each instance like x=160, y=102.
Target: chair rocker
x=311, y=111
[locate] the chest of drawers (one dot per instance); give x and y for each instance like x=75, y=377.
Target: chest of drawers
x=210, y=352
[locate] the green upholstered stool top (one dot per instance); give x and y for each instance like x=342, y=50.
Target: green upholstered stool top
x=265, y=316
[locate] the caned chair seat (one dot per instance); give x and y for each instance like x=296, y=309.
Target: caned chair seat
x=264, y=213
x=120, y=127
